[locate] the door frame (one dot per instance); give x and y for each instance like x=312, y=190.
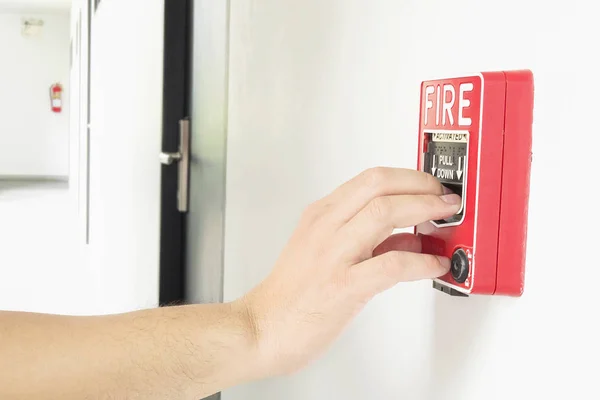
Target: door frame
x=176, y=107
x=196, y=87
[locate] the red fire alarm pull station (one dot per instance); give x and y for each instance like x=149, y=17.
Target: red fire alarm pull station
x=475, y=137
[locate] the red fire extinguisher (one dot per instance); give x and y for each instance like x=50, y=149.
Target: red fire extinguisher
x=56, y=97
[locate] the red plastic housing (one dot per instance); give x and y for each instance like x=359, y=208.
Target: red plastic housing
x=495, y=111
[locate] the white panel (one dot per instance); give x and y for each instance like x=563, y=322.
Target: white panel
x=320, y=90
x=125, y=140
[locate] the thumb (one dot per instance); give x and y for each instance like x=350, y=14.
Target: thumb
x=384, y=271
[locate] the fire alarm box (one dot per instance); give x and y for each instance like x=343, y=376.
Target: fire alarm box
x=475, y=137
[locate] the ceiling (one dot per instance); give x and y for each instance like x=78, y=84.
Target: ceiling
x=35, y=5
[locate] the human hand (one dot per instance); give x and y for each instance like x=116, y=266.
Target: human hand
x=340, y=256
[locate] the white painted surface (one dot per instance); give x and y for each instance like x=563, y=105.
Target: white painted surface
x=49, y=5
x=40, y=268
x=33, y=139
x=321, y=90
x=125, y=140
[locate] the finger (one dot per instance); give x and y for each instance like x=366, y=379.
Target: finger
x=354, y=195
x=373, y=224
x=399, y=242
x=380, y=273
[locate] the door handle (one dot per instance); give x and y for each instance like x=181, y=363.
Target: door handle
x=169, y=158
x=182, y=158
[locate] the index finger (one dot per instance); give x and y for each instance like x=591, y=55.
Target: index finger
x=351, y=197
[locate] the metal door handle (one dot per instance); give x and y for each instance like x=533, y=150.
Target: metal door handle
x=169, y=158
x=182, y=157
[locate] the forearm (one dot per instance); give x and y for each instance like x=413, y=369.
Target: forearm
x=174, y=352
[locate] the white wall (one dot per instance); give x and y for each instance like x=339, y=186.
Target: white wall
x=125, y=140
x=33, y=139
x=321, y=90
x=51, y=5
